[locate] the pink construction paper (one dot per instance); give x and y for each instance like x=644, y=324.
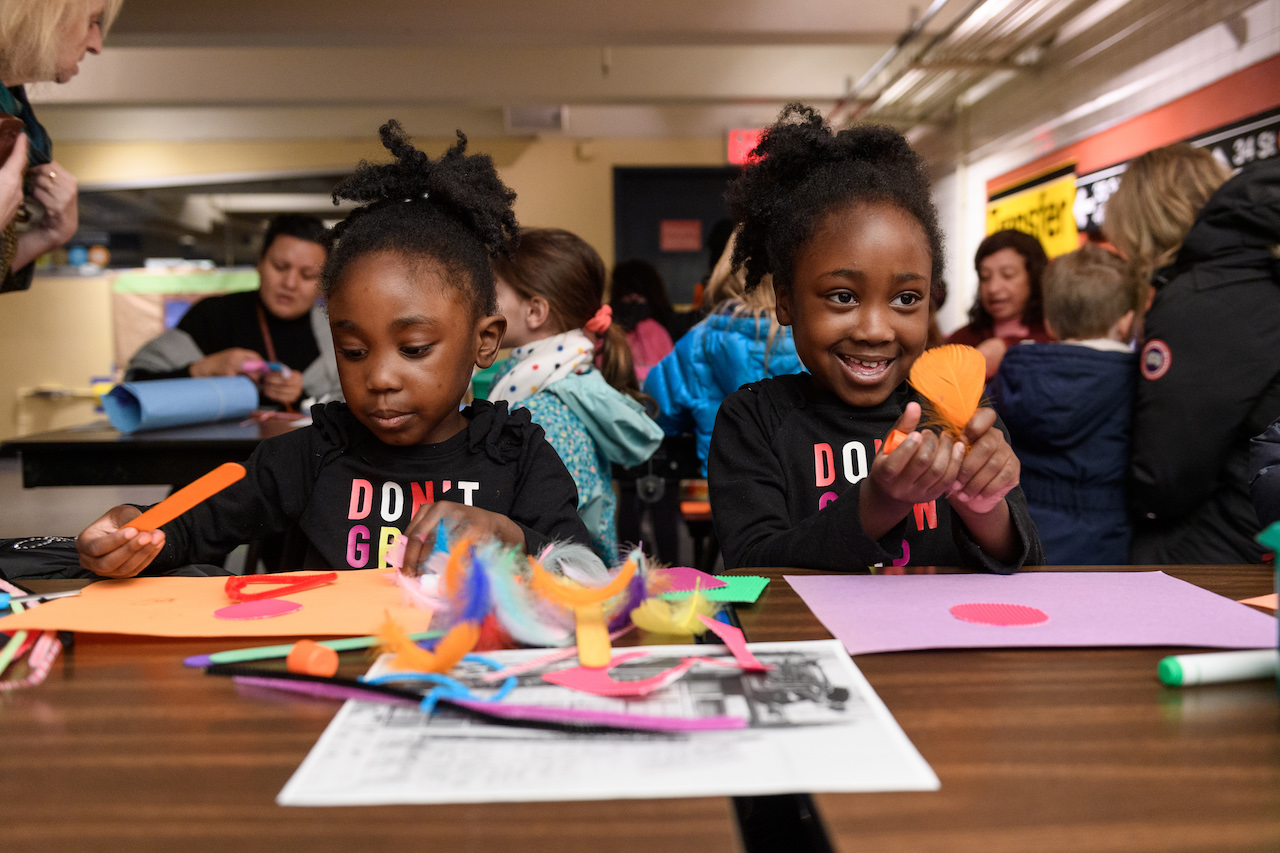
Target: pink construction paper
x=684, y=579
x=891, y=613
x=264, y=609
x=1000, y=614
x=736, y=643
x=601, y=683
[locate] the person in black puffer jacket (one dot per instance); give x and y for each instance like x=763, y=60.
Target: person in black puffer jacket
x=1210, y=365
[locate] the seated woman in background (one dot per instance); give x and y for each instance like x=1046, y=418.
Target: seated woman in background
x=638, y=297
x=739, y=342
x=279, y=323
x=1009, y=308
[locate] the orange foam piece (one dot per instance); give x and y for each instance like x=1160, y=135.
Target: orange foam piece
x=188, y=496
x=308, y=657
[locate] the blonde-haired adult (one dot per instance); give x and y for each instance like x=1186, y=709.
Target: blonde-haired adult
x=1157, y=202
x=40, y=41
x=1210, y=361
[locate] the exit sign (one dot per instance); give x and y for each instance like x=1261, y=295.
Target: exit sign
x=741, y=143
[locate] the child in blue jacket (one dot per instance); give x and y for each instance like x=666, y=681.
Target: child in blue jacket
x=1068, y=405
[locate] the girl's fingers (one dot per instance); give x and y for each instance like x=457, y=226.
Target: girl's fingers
x=909, y=419
x=979, y=425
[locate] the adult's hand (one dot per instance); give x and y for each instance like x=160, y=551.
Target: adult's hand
x=11, y=181
x=283, y=387
x=225, y=362
x=57, y=190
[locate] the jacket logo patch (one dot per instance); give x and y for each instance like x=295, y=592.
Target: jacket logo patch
x=1156, y=359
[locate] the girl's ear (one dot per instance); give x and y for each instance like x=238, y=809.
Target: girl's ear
x=489, y=332
x=782, y=306
x=537, y=313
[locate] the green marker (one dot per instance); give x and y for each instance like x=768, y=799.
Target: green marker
x=282, y=651
x=1217, y=667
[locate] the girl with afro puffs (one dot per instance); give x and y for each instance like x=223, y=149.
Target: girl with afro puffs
x=413, y=310
x=845, y=225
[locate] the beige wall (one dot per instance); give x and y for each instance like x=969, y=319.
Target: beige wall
x=58, y=334
x=562, y=182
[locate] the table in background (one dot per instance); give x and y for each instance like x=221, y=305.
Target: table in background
x=98, y=454
x=1069, y=750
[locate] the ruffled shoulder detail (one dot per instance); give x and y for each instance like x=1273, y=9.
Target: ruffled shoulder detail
x=499, y=433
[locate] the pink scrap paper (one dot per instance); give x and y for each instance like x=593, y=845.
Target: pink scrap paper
x=266, y=608
x=684, y=579
x=893, y=613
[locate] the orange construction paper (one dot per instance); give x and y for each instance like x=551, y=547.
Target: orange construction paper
x=356, y=604
x=1266, y=602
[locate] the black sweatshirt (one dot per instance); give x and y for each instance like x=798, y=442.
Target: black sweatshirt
x=217, y=323
x=786, y=461
x=352, y=495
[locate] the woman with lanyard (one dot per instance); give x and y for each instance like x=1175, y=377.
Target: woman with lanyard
x=278, y=335
x=42, y=40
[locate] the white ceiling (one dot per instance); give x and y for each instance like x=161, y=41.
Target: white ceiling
x=235, y=69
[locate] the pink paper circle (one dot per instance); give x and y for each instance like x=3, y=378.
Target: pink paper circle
x=1000, y=615
x=264, y=609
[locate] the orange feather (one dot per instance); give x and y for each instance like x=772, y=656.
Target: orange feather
x=951, y=379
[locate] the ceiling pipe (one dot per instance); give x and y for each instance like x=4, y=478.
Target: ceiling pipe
x=903, y=40
x=865, y=104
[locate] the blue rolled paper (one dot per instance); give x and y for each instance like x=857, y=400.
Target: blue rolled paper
x=135, y=406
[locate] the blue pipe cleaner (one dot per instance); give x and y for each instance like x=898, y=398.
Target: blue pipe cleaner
x=447, y=686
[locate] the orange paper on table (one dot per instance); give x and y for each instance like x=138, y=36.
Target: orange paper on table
x=356, y=604
x=1266, y=602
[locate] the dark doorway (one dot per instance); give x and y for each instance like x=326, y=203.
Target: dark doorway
x=654, y=212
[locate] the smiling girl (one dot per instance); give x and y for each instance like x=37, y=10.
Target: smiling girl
x=845, y=225
x=413, y=310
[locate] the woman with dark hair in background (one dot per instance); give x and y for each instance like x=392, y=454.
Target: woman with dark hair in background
x=40, y=41
x=640, y=305
x=281, y=323
x=1210, y=364
x=1009, y=308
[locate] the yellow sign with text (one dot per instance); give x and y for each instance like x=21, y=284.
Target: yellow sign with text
x=1044, y=211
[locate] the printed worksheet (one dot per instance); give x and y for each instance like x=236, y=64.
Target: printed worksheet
x=812, y=724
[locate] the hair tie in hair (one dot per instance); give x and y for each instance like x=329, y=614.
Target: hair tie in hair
x=601, y=321
x=424, y=197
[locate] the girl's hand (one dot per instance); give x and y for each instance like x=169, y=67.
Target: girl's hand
x=463, y=521
x=109, y=548
x=921, y=467
x=918, y=470
x=990, y=469
x=285, y=389
x=11, y=181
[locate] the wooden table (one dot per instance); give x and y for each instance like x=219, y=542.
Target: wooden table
x=1069, y=750
x=98, y=454
x=1045, y=750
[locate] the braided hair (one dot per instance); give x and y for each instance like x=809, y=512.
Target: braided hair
x=454, y=211
x=805, y=172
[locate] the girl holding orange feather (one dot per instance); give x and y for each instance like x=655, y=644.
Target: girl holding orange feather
x=798, y=475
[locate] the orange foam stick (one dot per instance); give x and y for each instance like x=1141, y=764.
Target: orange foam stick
x=891, y=443
x=310, y=658
x=187, y=497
